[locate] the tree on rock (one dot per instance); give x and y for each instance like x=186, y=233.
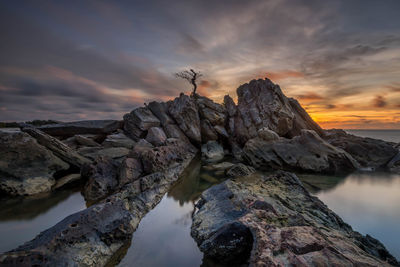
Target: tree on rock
x=191, y=76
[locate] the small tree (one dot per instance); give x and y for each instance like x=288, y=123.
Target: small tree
x=191, y=76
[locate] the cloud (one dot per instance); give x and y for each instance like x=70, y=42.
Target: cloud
x=379, y=101
x=280, y=75
x=310, y=96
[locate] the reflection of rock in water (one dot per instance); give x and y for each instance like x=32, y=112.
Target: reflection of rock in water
x=186, y=188
x=23, y=208
x=317, y=183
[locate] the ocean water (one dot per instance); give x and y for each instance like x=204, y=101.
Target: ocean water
x=386, y=135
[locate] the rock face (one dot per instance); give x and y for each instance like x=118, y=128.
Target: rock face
x=212, y=152
x=23, y=173
x=273, y=221
x=306, y=152
x=184, y=111
x=156, y=136
x=138, y=122
x=261, y=103
x=370, y=153
x=81, y=127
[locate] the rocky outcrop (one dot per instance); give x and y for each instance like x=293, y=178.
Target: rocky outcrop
x=81, y=127
x=212, y=152
x=273, y=221
x=26, y=167
x=370, y=153
x=59, y=149
x=138, y=122
x=306, y=152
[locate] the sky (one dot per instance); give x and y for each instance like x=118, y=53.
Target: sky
x=77, y=60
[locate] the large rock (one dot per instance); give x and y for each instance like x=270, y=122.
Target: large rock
x=306, y=152
x=138, y=122
x=118, y=140
x=261, y=103
x=273, y=221
x=160, y=110
x=59, y=149
x=82, y=127
x=156, y=136
x=370, y=153
x=212, y=152
x=184, y=110
x=130, y=170
x=26, y=167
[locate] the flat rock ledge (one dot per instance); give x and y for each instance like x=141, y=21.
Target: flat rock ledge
x=273, y=221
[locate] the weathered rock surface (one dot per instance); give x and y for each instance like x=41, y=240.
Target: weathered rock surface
x=111, y=152
x=26, y=167
x=156, y=136
x=306, y=152
x=273, y=221
x=370, y=153
x=130, y=170
x=59, y=149
x=67, y=180
x=84, y=141
x=240, y=170
x=212, y=152
x=184, y=111
x=118, y=140
x=138, y=122
x=81, y=127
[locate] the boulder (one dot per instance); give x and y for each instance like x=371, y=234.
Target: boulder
x=273, y=221
x=173, y=131
x=156, y=136
x=184, y=111
x=67, y=180
x=240, y=170
x=130, y=170
x=306, y=152
x=267, y=135
x=102, y=178
x=208, y=132
x=84, y=141
x=160, y=110
x=81, y=127
x=138, y=122
x=212, y=152
x=58, y=148
x=213, y=112
x=26, y=167
x=118, y=140
x=370, y=153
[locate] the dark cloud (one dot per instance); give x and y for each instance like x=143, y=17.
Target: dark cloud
x=379, y=101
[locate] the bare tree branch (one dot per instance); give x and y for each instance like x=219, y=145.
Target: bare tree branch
x=191, y=76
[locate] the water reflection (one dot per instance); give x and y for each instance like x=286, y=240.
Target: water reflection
x=369, y=202
x=21, y=219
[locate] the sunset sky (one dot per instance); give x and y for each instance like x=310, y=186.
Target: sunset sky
x=73, y=60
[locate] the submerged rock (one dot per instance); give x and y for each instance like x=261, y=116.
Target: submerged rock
x=273, y=221
x=26, y=167
x=212, y=151
x=307, y=152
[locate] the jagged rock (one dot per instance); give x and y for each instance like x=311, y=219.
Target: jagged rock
x=160, y=110
x=267, y=135
x=212, y=151
x=59, y=149
x=138, y=122
x=261, y=103
x=173, y=131
x=84, y=141
x=184, y=110
x=156, y=136
x=274, y=221
x=130, y=170
x=207, y=131
x=370, y=153
x=66, y=180
x=111, y=152
x=306, y=152
x=102, y=176
x=93, y=236
x=81, y=127
x=230, y=106
x=240, y=170
x=221, y=131
x=211, y=111
x=26, y=167
x=118, y=140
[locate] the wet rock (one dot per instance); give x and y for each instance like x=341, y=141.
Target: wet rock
x=102, y=178
x=212, y=151
x=278, y=223
x=84, y=141
x=118, y=140
x=66, y=180
x=307, y=152
x=111, y=152
x=184, y=111
x=240, y=170
x=138, y=122
x=81, y=127
x=26, y=167
x=156, y=136
x=370, y=153
x=58, y=148
x=219, y=166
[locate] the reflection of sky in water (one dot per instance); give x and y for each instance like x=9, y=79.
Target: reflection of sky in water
x=16, y=231
x=163, y=238
x=370, y=204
